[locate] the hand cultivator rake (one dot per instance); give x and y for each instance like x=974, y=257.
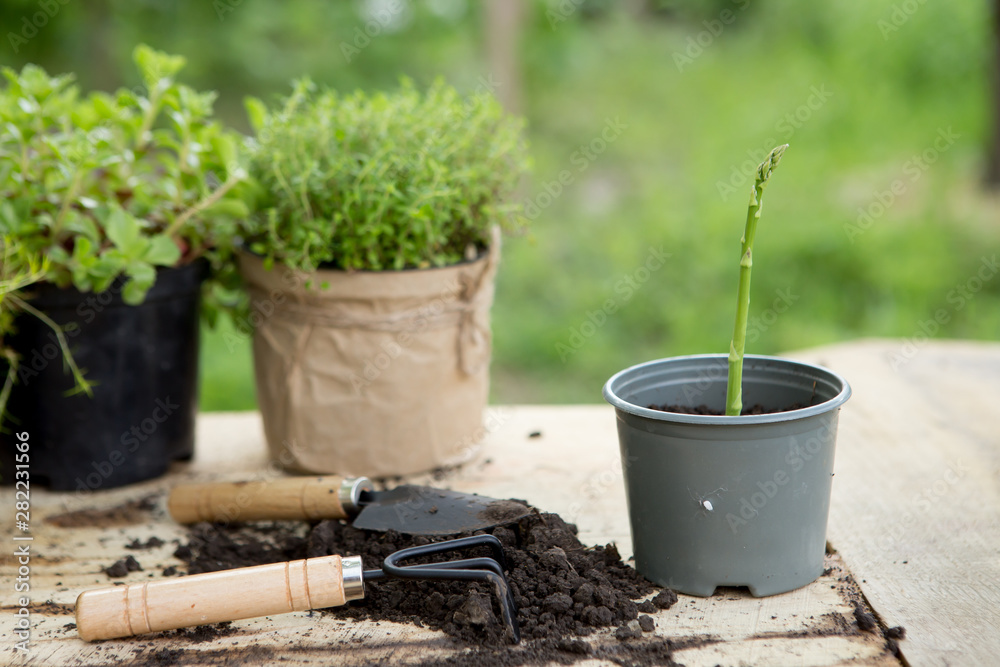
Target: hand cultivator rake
x=312, y=583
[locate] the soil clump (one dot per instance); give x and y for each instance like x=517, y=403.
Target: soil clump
x=562, y=588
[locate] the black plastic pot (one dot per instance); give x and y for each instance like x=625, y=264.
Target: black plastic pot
x=143, y=363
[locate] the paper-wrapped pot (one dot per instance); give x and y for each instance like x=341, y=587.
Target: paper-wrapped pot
x=375, y=373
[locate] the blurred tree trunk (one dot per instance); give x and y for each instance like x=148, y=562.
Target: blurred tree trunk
x=993, y=160
x=503, y=34
x=101, y=71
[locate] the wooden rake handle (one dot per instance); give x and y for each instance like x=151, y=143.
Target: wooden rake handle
x=213, y=597
x=294, y=498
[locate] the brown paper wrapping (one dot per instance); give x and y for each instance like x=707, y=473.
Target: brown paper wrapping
x=371, y=373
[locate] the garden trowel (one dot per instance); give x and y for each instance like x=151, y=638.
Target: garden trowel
x=409, y=509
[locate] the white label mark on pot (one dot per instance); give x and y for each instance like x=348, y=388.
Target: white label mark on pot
x=703, y=502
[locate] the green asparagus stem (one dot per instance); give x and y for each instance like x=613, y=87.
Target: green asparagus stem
x=734, y=391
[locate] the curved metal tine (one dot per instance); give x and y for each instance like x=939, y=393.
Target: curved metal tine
x=469, y=564
x=463, y=569
x=497, y=564
x=482, y=563
x=464, y=564
x=452, y=545
x=508, y=608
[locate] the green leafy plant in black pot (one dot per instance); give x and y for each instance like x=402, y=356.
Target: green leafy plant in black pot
x=371, y=255
x=115, y=209
x=728, y=458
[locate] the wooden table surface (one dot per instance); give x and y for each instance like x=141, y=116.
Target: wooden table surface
x=915, y=520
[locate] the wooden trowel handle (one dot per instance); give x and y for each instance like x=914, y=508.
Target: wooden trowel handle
x=213, y=597
x=292, y=498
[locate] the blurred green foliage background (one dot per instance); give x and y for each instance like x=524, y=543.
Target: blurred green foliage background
x=652, y=114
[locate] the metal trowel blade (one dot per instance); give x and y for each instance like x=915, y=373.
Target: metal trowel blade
x=422, y=510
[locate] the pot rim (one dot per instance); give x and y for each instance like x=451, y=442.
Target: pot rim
x=482, y=256
x=172, y=282
x=819, y=371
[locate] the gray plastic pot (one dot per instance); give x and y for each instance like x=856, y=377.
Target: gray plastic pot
x=728, y=501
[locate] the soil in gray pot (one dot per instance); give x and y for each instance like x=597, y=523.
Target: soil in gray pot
x=756, y=409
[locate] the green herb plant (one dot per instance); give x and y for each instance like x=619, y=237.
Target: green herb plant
x=381, y=181
x=734, y=389
x=111, y=186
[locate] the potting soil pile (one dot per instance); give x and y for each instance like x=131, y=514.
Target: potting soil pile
x=562, y=588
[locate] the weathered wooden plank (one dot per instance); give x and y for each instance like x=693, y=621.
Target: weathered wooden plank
x=916, y=501
x=562, y=459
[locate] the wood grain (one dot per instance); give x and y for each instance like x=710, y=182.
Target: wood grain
x=290, y=499
x=916, y=500
x=894, y=501
x=212, y=597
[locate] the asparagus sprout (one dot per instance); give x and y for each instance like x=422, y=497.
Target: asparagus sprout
x=734, y=390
